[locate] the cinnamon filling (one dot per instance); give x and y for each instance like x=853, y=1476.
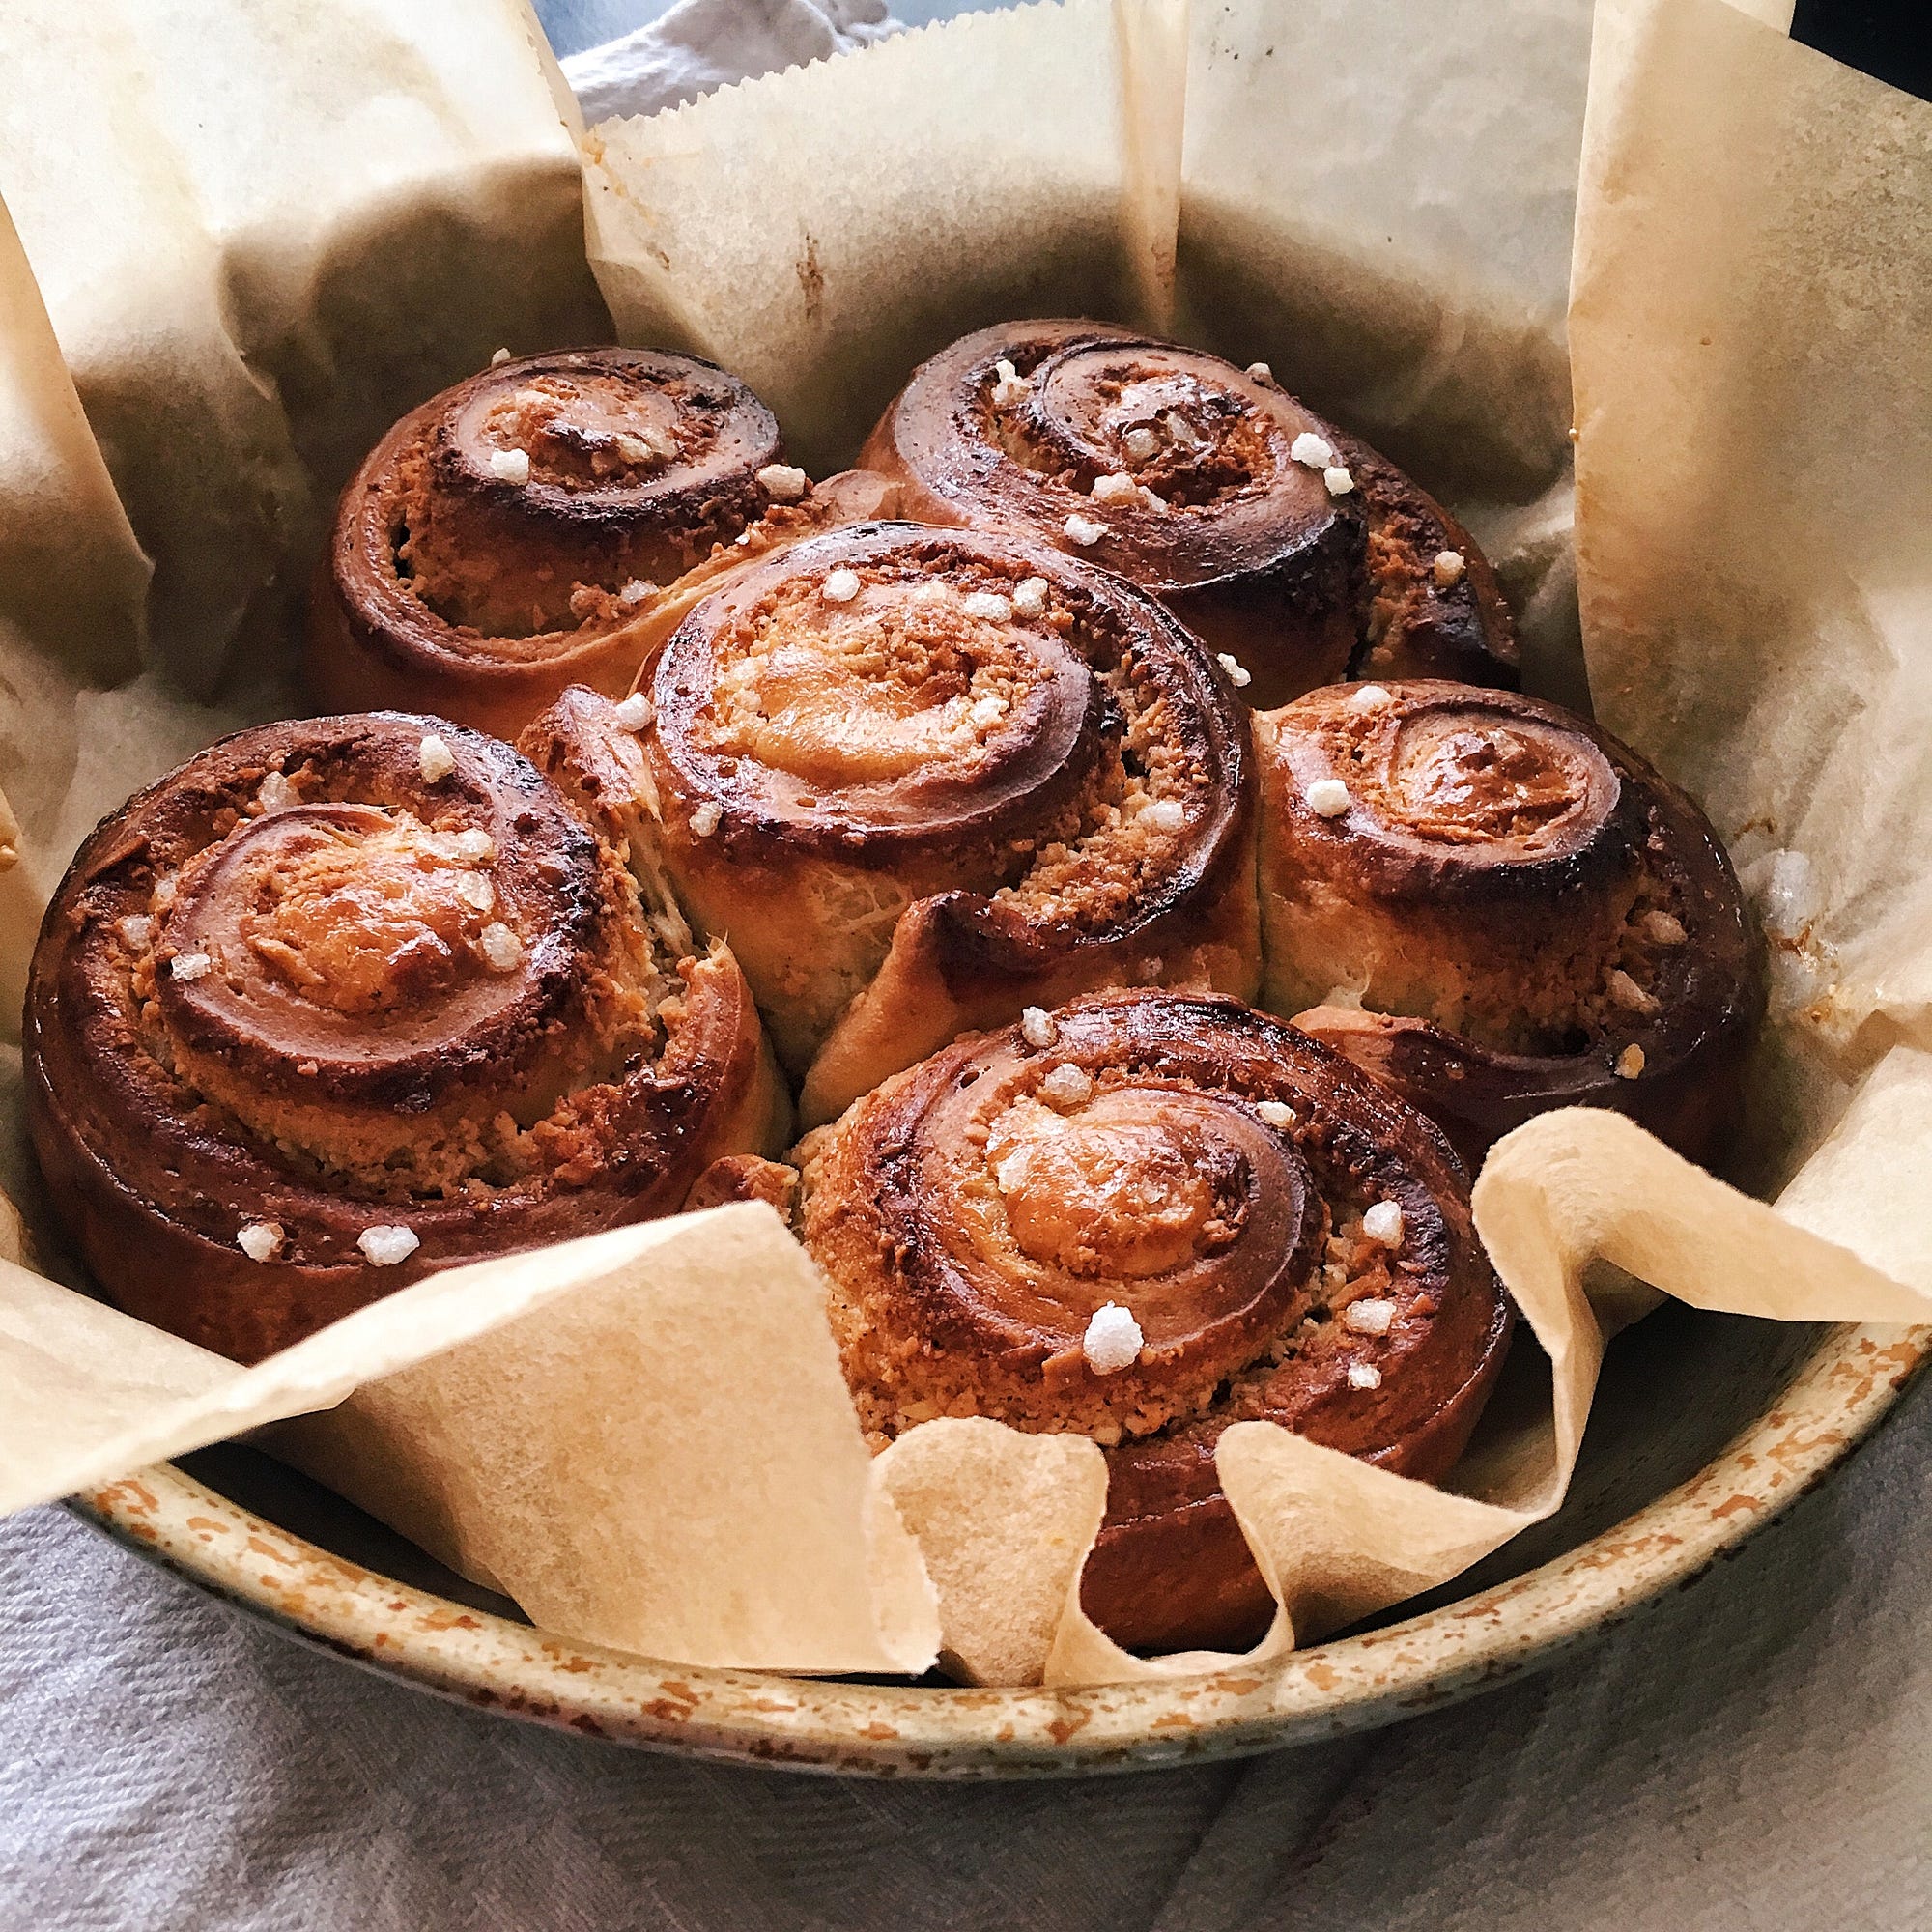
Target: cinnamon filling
x=1119, y=1199
x=876, y=689
x=583, y=432
x=1083, y=1183
x=374, y=996
x=1176, y=431
x=974, y=1220
x=367, y=920
x=1046, y=1188
x=1473, y=779
x=1039, y=756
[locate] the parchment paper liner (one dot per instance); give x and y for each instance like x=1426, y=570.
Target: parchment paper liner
x=642, y=1437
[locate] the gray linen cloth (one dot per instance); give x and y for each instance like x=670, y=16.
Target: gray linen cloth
x=1754, y=1756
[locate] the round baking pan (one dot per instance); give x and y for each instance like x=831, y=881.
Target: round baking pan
x=1706, y=1428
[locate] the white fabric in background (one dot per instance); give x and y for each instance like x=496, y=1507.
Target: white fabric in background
x=701, y=45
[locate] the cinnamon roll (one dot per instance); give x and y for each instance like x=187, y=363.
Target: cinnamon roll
x=523, y=531
x=1152, y=1216
x=1290, y=545
x=1493, y=905
x=345, y=1000
x=923, y=778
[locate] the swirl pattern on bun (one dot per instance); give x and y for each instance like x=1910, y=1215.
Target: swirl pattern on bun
x=345, y=1000
x=1284, y=543
x=1492, y=904
x=923, y=779
x=1152, y=1217
x=519, y=532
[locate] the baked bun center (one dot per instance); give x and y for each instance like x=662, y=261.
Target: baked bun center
x=856, y=688
x=1471, y=775
x=1445, y=789
x=312, y=919
x=357, y=910
x=1176, y=427
x=589, y=432
x=1181, y=1205
x=581, y=430
x=1118, y=1191
x=1027, y=1189
x=396, y=981
x=527, y=499
x=895, y=677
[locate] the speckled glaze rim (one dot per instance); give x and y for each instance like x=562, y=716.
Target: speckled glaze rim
x=1839, y=1392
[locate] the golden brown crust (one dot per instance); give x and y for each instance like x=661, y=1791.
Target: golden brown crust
x=451, y=586
x=1207, y=1169
x=1510, y=912
x=1199, y=501
x=364, y=973
x=924, y=777
x=745, y=1177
